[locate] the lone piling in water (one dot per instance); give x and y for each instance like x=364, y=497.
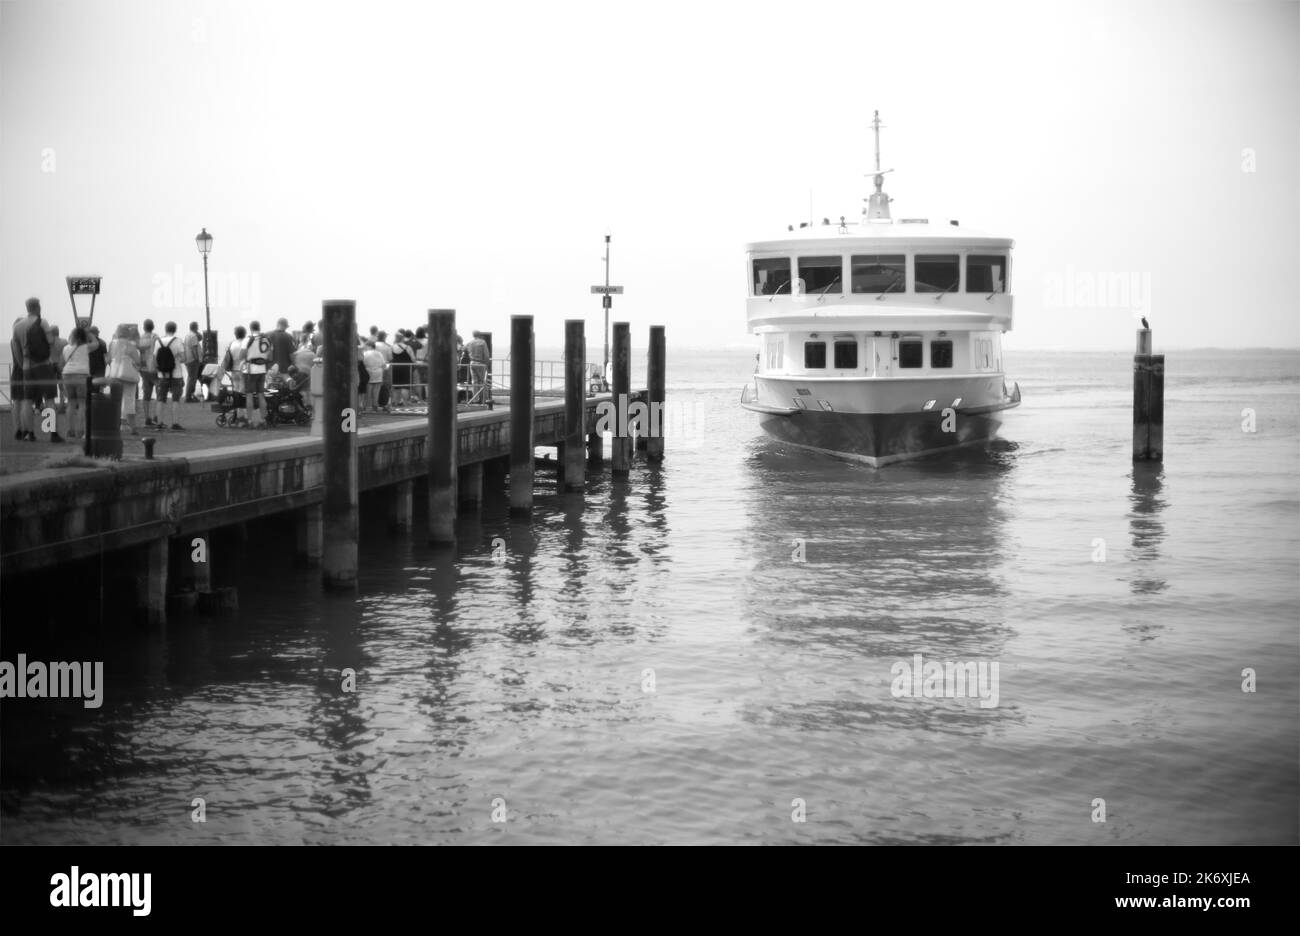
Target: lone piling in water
x=521, y=414
x=441, y=452
x=1148, y=401
x=340, y=513
x=621, y=463
x=655, y=391
x=574, y=466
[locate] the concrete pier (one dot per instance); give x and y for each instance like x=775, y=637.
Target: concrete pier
x=442, y=454
x=341, y=519
x=573, y=456
x=210, y=482
x=621, y=462
x=521, y=414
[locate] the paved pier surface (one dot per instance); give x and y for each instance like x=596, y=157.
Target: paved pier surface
x=201, y=432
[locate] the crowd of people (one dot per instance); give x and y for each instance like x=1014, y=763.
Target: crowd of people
x=159, y=371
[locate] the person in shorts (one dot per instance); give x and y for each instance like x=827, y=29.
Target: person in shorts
x=257, y=354
x=170, y=382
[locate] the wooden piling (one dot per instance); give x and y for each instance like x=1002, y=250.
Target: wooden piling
x=621, y=463
x=441, y=445
x=311, y=535
x=469, y=487
x=521, y=414
x=157, y=554
x=340, y=507
x=656, y=387
x=575, y=396
x=1148, y=401
x=202, y=571
x=401, y=506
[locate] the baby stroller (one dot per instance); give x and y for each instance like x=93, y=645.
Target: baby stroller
x=286, y=401
x=228, y=400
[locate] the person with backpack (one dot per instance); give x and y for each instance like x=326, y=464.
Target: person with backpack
x=257, y=354
x=169, y=355
x=38, y=372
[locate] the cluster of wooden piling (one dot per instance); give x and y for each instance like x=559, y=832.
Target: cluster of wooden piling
x=449, y=485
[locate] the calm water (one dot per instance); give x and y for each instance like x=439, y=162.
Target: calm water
x=524, y=679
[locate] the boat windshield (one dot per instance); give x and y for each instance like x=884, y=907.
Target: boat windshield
x=937, y=272
x=878, y=273
x=986, y=274
x=771, y=275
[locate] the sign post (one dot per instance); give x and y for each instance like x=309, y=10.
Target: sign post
x=605, y=292
x=83, y=286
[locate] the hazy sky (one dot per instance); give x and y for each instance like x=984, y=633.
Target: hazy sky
x=473, y=155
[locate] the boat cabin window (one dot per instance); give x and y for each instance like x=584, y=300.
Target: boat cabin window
x=937, y=272
x=814, y=354
x=941, y=354
x=986, y=274
x=846, y=355
x=879, y=273
x=822, y=274
x=909, y=353
x=772, y=276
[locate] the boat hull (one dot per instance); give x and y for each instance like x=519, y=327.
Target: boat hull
x=881, y=438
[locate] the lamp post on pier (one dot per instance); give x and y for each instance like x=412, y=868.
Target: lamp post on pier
x=204, y=241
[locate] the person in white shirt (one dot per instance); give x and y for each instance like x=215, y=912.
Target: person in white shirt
x=234, y=363
x=257, y=356
x=149, y=373
x=76, y=368
x=373, y=359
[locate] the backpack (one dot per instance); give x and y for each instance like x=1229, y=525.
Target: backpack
x=38, y=345
x=259, y=346
x=166, y=360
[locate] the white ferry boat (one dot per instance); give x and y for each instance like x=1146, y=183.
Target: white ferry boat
x=880, y=340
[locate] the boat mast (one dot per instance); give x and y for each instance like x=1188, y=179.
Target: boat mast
x=878, y=204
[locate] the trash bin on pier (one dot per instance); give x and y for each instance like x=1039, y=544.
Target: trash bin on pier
x=104, y=434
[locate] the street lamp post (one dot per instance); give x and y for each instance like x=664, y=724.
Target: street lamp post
x=204, y=241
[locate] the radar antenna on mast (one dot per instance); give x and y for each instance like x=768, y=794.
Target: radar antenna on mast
x=878, y=203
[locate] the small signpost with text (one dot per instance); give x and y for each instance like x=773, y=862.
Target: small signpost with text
x=605, y=292
x=83, y=286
